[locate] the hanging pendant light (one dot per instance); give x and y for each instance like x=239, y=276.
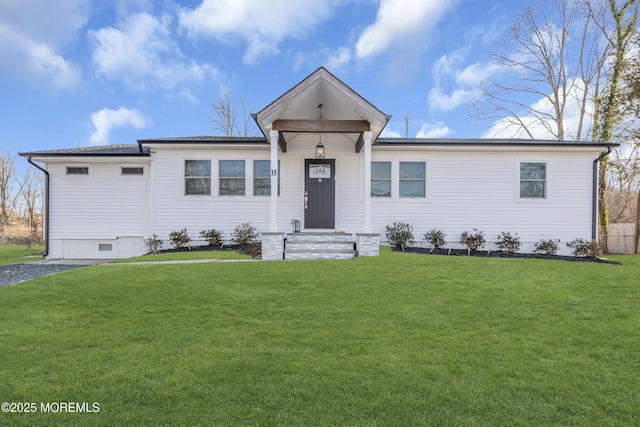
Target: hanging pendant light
x=319, y=146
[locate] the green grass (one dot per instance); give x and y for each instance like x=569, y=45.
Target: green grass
x=182, y=256
x=399, y=340
x=12, y=254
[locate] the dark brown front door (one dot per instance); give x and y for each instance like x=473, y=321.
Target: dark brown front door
x=319, y=191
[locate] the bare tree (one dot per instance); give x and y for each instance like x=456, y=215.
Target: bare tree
x=7, y=179
x=618, y=22
x=31, y=193
x=553, y=58
x=230, y=120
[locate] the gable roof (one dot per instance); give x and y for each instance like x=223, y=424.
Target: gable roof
x=338, y=101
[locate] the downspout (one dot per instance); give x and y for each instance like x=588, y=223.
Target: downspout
x=594, y=219
x=46, y=205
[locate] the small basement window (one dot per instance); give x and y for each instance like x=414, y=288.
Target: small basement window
x=132, y=171
x=76, y=170
x=105, y=247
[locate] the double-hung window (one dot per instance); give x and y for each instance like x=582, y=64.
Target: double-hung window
x=381, y=179
x=197, y=177
x=262, y=177
x=413, y=178
x=232, y=177
x=533, y=180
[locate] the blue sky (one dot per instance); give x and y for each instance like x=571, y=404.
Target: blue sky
x=81, y=72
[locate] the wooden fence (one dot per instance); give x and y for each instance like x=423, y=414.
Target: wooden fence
x=620, y=238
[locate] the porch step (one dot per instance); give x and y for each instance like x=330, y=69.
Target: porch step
x=319, y=246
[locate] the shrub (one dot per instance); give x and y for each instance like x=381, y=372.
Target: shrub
x=436, y=238
x=547, y=246
x=244, y=234
x=213, y=237
x=400, y=234
x=153, y=243
x=473, y=241
x=179, y=239
x=508, y=242
x=584, y=248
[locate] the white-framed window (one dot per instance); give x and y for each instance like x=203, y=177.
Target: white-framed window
x=77, y=170
x=412, y=179
x=533, y=180
x=197, y=177
x=381, y=179
x=262, y=177
x=132, y=171
x=232, y=177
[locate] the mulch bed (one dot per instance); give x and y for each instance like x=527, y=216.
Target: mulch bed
x=502, y=254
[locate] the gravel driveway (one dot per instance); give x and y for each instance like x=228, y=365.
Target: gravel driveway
x=15, y=273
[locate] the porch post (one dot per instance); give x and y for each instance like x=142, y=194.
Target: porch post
x=273, y=139
x=367, y=182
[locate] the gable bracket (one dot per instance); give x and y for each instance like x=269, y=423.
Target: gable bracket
x=320, y=125
x=360, y=142
x=282, y=142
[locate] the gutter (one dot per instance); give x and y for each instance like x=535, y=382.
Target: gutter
x=46, y=205
x=594, y=218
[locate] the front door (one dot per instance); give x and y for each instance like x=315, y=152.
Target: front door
x=319, y=194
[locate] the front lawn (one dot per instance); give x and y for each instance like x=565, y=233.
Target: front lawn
x=401, y=339
x=13, y=254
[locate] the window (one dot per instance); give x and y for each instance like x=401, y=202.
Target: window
x=381, y=179
x=262, y=177
x=74, y=170
x=412, y=179
x=105, y=247
x=232, y=178
x=533, y=180
x=132, y=171
x=197, y=177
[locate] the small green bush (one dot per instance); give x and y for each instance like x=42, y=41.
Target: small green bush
x=473, y=241
x=584, y=248
x=179, y=239
x=436, y=238
x=547, y=246
x=244, y=234
x=400, y=234
x=508, y=242
x=213, y=237
x=153, y=243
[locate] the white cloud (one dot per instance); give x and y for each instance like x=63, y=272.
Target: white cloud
x=261, y=24
x=438, y=100
x=464, y=82
x=141, y=52
x=32, y=34
x=400, y=21
x=337, y=59
x=433, y=130
x=106, y=119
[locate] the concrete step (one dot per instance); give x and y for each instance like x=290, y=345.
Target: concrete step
x=319, y=245
x=318, y=237
x=328, y=245
x=317, y=254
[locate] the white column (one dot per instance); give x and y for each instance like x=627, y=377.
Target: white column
x=367, y=182
x=273, y=139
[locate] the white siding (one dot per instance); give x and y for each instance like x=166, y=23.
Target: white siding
x=101, y=208
x=101, y=205
x=467, y=190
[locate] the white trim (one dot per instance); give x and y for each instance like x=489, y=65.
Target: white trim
x=548, y=188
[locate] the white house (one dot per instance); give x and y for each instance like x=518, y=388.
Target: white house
x=323, y=163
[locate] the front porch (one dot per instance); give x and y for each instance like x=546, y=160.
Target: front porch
x=336, y=187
